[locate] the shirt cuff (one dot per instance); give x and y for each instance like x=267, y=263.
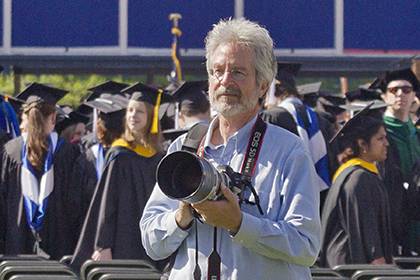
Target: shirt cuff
x=249, y=229
x=172, y=227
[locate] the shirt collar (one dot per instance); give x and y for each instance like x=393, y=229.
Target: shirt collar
x=241, y=136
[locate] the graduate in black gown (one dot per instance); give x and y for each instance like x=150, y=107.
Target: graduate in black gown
x=39, y=201
x=285, y=82
x=111, y=229
x=110, y=111
x=107, y=88
x=356, y=225
x=72, y=125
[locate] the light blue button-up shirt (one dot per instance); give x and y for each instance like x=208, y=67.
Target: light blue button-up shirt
x=281, y=244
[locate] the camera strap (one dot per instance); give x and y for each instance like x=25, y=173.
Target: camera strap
x=253, y=149
x=247, y=170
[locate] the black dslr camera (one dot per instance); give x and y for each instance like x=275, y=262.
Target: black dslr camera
x=185, y=176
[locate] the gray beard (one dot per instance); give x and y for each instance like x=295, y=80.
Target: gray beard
x=230, y=110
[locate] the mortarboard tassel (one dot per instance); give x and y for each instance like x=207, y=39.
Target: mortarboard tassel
x=155, y=120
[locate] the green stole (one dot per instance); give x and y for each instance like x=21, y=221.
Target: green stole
x=404, y=137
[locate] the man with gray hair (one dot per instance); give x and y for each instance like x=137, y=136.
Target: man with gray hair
x=236, y=239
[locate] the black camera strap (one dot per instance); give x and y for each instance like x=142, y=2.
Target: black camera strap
x=253, y=149
x=247, y=170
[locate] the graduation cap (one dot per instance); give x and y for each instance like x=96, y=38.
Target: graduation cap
x=36, y=92
x=334, y=99
x=145, y=93
x=172, y=86
x=286, y=73
x=312, y=88
x=108, y=103
x=71, y=117
x=331, y=102
x=403, y=74
x=192, y=96
x=364, y=94
x=107, y=87
x=154, y=96
x=355, y=121
x=360, y=104
x=310, y=93
x=63, y=112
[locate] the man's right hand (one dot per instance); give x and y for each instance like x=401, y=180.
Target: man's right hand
x=184, y=215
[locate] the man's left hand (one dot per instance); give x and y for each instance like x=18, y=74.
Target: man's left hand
x=224, y=213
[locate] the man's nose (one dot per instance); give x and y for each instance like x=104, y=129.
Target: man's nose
x=399, y=92
x=226, y=78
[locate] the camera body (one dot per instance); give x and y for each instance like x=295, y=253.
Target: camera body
x=235, y=181
x=185, y=176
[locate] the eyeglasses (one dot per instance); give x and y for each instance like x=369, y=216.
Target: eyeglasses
x=404, y=89
x=236, y=74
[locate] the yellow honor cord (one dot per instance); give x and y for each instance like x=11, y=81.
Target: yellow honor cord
x=356, y=161
x=155, y=120
x=176, y=62
x=139, y=149
x=176, y=31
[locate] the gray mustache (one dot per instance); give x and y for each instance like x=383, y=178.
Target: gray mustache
x=227, y=91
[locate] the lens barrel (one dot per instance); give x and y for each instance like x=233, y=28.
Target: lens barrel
x=185, y=176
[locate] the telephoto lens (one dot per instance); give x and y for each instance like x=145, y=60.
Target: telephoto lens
x=185, y=176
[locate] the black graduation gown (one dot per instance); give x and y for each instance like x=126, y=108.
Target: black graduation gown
x=328, y=130
x=117, y=206
x=59, y=232
x=281, y=117
x=394, y=183
x=355, y=220
x=4, y=138
x=87, y=178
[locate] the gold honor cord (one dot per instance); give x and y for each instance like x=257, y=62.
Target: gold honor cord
x=155, y=119
x=177, y=33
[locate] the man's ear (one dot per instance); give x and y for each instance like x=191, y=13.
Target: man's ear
x=263, y=89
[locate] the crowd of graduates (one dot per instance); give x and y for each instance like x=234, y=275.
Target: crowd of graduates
x=74, y=181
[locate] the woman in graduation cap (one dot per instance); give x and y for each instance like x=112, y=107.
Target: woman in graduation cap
x=38, y=197
x=355, y=220
x=126, y=183
x=109, y=126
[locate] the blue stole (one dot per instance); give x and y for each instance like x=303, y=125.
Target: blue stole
x=98, y=152
x=8, y=119
x=35, y=194
x=312, y=138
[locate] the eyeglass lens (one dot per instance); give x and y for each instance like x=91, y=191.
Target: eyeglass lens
x=404, y=89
